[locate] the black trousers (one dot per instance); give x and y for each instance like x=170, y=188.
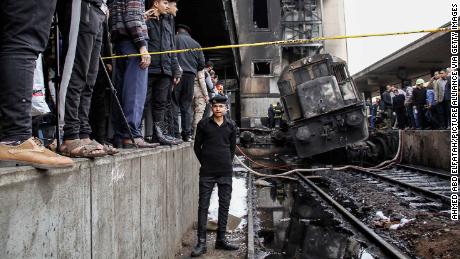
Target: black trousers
x=158, y=90
x=224, y=185
x=447, y=112
x=421, y=119
x=84, y=73
x=400, y=117
x=101, y=108
x=182, y=101
x=24, y=31
x=169, y=115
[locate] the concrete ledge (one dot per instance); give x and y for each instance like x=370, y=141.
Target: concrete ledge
x=430, y=148
x=136, y=204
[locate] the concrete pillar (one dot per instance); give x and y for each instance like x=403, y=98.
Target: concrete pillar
x=334, y=25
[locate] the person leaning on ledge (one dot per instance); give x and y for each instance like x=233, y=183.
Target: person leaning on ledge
x=215, y=144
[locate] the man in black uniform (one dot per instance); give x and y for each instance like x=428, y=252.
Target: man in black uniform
x=215, y=143
x=191, y=63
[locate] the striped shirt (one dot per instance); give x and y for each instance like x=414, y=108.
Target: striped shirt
x=127, y=21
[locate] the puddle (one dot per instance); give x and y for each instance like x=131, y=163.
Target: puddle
x=291, y=223
x=238, y=203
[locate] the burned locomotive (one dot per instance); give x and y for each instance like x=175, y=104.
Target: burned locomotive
x=323, y=112
x=323, y=107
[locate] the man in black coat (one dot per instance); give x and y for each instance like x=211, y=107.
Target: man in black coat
x=215, y=144
x=419, y=102
x=191, y=62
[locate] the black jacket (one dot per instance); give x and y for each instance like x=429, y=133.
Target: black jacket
x=161, y=38
x=191, y=61
x=419, y=96
x=386, y=98
x=215, y=146
x=398, y=101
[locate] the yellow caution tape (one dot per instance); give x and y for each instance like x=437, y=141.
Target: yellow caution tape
x=282, y=42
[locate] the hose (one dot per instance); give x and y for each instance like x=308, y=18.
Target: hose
x=385, y=164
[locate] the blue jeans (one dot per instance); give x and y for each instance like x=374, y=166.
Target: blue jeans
x=131, y=85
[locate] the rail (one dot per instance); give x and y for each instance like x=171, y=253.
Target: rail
x=379, y=241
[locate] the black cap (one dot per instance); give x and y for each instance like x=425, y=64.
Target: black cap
x=185, y=27
x=218, y=99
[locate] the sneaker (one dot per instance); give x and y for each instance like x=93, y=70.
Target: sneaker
x=32, y=152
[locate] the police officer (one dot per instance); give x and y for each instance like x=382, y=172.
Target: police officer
x=215, y=143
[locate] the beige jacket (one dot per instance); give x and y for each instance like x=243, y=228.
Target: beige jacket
x=438, y=92
x=199, y=89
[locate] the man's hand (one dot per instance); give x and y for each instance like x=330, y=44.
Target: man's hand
x=145, y=58
x=109, y=67
x=152, y=14
x=176, y=81
x=206, y=98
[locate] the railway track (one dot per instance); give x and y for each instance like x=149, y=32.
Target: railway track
x=387, y=248
x=420, y=187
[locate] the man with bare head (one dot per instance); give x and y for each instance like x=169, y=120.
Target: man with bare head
x=173, y=8
x=387, y=101
x=163, y=70
x=439, y=88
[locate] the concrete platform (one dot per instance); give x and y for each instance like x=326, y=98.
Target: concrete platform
x=430, y=148
x=136, y=204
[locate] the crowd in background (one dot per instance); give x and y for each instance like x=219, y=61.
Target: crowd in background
x=423, y=106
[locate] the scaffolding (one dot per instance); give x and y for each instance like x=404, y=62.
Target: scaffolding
x=301, y=19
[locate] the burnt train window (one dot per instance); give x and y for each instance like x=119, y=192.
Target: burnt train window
x=260, y=14
x=339, y=72
x=262, y=68
x=310, y=72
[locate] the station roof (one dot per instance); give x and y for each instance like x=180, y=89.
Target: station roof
x=416, y=59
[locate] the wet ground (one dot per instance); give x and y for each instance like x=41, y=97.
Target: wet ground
x=189, y=241
x=236, y=228
x=292, y=222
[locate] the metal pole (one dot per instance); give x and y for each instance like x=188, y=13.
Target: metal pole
x=117, y=101
x=57, y=79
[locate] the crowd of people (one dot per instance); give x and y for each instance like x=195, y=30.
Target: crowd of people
x=161, y=97
x=423, y=106
x=140, y=100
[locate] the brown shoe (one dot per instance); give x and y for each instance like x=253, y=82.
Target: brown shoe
x=140, y=143
x=32, y=152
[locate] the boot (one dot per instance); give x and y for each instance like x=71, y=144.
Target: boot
x=32, y=152
x=223, y=244
x=161, y=137
x=165, y=129
x=200, y=248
